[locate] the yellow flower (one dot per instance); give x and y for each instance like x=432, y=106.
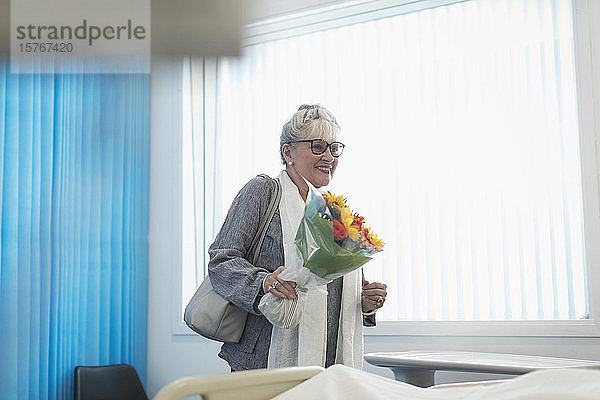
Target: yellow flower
x=372, y=238
x=353, y=233
x=347, y=219
x=337, y=201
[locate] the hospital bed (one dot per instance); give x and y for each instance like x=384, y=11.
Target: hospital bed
x=256, y=384
x=339, y=382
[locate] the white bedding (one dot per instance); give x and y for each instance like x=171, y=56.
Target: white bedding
x=340, y=382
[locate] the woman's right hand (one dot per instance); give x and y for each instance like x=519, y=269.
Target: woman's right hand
x=279, y=287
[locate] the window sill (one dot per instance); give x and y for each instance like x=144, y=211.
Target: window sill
x=181, y=329
x=538, y=328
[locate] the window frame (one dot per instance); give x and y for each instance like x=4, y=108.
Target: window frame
x=589, y=127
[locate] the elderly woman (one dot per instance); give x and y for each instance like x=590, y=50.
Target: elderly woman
x=331, y=327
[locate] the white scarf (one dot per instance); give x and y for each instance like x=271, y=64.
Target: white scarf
x=306, y=343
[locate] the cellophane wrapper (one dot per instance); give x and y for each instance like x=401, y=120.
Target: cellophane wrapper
x=317, y=260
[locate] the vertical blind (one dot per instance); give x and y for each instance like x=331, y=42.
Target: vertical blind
x=74, y=170
x=462, y=150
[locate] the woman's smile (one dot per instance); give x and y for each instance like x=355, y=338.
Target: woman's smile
x=326, y=169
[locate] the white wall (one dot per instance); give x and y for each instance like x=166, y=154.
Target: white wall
x=174, y=356
x=169, y=356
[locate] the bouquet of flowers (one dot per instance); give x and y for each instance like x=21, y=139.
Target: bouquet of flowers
x=331, y=241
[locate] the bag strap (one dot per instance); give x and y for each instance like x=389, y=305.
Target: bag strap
x=265, y=221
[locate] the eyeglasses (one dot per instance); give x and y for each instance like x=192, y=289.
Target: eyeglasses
x=319, y=146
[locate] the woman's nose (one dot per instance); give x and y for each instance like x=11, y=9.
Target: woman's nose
x=327, y=156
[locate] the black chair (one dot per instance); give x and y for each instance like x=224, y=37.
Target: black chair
x=108, y=382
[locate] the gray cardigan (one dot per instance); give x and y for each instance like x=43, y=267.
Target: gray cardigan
x=237, y=280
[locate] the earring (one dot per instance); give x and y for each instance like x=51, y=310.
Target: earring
x=290, y=163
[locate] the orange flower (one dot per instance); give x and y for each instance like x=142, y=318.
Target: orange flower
x=339, y=231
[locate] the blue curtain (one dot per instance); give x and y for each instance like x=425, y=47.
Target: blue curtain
x=74, y=170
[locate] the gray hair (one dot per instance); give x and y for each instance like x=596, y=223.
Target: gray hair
x=311, y=121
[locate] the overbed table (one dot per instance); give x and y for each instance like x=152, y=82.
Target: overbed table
x=418, y=367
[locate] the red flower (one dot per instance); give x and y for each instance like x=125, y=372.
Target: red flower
x=358, y=220
x=339, y=230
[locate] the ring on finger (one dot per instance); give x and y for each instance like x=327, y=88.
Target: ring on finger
x=379, y=301
x=274, y=285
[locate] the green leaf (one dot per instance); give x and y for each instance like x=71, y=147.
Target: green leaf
x=330, y=260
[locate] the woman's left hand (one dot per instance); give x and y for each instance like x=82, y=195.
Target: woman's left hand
x=373, y=295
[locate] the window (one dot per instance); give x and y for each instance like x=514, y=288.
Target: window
x=461, y=126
